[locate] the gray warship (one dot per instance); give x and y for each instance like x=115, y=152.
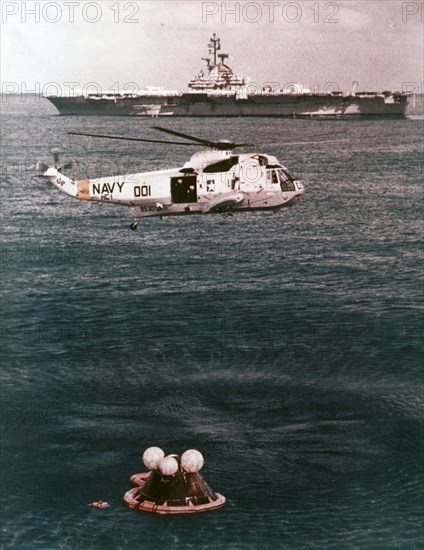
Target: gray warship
x=216, y=91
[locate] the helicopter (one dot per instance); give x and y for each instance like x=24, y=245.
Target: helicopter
x=214, y=180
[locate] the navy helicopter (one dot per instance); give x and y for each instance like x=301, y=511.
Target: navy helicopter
x=214, y=180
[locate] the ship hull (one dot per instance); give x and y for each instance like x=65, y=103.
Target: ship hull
x=211, y=105
x=79, y=105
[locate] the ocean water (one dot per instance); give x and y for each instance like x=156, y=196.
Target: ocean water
x=286, y=348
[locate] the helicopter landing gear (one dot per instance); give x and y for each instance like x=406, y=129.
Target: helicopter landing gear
x=134, y=225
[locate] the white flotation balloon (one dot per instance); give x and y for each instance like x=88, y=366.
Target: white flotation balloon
x=192, y=461
x=168, y=466
x=152, y=456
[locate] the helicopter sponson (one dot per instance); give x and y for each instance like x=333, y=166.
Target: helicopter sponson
x=212, y=181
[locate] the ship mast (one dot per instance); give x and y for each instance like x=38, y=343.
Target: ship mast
x=214, y=46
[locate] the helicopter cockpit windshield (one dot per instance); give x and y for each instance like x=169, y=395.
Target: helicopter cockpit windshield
x=282, y=177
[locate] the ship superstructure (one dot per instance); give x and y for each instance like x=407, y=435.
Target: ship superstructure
x=216, y=91
x=218, y=75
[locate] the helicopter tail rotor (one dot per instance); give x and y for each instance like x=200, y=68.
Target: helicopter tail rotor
x=56, y=154
x=40, y=168
x=56, y=160
x=68, y=165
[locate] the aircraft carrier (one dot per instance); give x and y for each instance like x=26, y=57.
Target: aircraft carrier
x=216, y=91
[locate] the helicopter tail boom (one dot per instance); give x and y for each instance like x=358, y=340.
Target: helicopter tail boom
x=77, y=189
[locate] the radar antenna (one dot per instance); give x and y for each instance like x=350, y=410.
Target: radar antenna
x=223, y=56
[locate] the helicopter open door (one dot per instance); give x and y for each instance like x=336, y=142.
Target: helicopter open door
x=184, y=189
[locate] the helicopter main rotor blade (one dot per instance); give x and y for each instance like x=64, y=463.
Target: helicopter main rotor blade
x=133, y=139
x=186, y=136
x=221, y=145
x=310, y=142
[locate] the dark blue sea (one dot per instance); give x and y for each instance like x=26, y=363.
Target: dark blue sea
x=286, y=348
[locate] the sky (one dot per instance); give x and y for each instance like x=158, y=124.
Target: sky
x=132, y=44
